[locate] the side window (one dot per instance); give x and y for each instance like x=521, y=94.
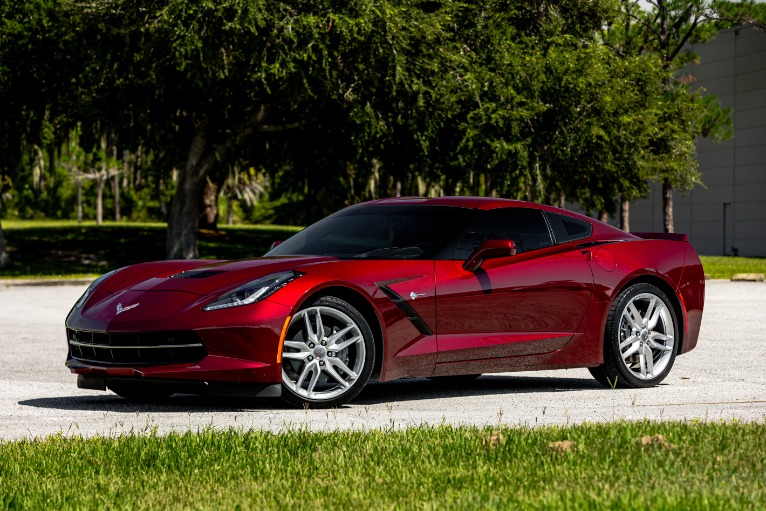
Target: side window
x=566, y=228
x=526, y=227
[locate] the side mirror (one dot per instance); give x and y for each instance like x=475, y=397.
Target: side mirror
x=490, y=249
x=275, y=244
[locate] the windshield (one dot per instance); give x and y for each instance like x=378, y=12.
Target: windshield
x=376, y=232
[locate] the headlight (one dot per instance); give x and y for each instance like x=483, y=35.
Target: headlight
x=254, y=291
x=93, y=285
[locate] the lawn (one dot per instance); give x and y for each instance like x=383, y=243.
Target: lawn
x=723, y=267
x=62, y=248
x=694, y=465
x=43, y=249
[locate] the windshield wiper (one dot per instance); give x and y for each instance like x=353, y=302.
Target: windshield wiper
x=392, y=252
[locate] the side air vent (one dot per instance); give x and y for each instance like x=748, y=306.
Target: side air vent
x=407, y=310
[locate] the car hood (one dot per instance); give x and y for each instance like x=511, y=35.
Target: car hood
x=215, y=276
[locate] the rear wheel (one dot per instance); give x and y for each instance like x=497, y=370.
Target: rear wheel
x=328, y=355
x=640, y=339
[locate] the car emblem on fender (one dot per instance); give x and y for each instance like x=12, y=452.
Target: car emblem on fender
x=121, y=309
x=414, y=295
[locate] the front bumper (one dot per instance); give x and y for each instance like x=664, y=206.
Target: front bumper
x=241, y=346
x=215, y=388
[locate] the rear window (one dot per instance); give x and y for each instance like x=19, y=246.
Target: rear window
x=565, y=228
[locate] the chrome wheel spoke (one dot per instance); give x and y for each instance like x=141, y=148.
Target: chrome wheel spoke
x=345, y=344
x=320, y=327
x=313, y=382
x=649, y=310
x=649, y=359
x=297, y=345
x=338, y=335
x=343, y=367
x=307, y=369
x=310, y=335
x=657, y=346
x=627, y=314
x=635, y=315
x=332, y=372
x=629, y=340
x=630, y=351
x=661, y=337
x=655, y=317
x=296, y=355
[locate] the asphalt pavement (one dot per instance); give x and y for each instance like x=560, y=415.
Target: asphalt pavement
x=724, y=378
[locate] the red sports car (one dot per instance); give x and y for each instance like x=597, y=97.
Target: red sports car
x=396, y=288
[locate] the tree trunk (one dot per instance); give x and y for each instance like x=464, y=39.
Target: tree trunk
x=667, y=205
x=208, y=217
x=79, y=201
x=100, y=182
x=138, y=162
x=184, y=212
x=116, y=187
x=5, y=261
x=229, y=209
x=625, y=213
x=562, y=200
x=603, y=215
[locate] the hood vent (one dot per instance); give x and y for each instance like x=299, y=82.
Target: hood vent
x=195, y=274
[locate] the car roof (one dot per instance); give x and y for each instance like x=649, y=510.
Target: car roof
x=600, y=230
x=463, y=202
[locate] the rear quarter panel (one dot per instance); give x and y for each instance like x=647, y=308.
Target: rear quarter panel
x=674, y=263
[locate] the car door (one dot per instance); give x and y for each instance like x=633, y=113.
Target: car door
x=529, y=303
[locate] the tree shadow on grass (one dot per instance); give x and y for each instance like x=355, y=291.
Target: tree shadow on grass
x=376, y=393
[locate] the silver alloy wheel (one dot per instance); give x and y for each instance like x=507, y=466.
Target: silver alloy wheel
x=323, y=355
x=647, y=336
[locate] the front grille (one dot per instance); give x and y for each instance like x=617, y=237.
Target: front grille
x=135, y=349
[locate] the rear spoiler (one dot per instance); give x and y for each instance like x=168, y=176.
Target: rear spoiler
x=661, y=236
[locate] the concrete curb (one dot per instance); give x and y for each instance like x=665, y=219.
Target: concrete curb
x=44, y=282
x=748, y=277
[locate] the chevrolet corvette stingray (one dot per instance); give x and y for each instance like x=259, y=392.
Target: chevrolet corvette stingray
x=395, y=288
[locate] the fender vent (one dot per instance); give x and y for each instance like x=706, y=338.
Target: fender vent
x=407, y=310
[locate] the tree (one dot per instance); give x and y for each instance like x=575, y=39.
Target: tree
x=669, y=29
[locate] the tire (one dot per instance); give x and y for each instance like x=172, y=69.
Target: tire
x=140, y=392
x=640, y=341
x=328, y=355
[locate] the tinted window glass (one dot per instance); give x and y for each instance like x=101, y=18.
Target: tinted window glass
x=566, y=228
x=526, y=227
x=376, y=232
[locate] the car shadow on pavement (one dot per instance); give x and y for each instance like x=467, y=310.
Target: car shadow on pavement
x=178, y=403
x=486, y=385
x=376, y=393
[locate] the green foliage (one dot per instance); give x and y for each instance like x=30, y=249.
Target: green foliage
x=335, y=103
x=694, y=465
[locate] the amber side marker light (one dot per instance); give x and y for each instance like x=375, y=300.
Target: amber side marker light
x=282, y=338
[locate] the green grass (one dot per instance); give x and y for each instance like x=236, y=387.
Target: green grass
x=708, y=466
x=723, y=267
x=44, y=249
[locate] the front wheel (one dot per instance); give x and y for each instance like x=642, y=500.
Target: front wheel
x=328, y=355
x=640, y=343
